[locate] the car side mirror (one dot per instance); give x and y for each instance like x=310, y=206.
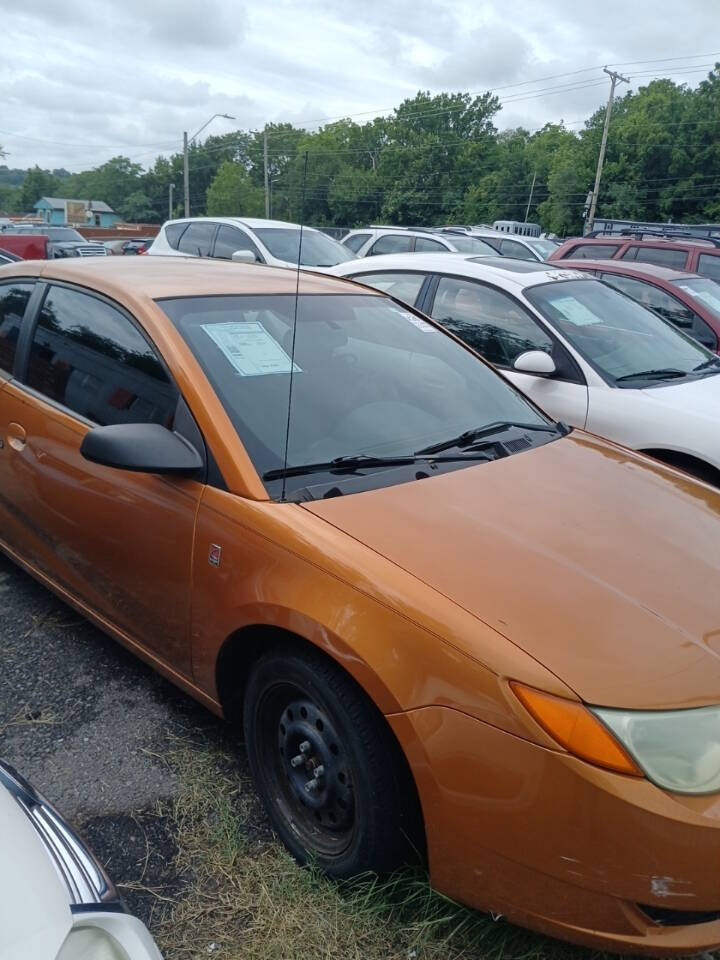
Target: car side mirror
x=244, y=256
x=141, y=447
x=535, y=361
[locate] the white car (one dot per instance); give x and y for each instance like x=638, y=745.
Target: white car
x=249, y=239
x=375, y=241
x=583, y=351
x=55, y=901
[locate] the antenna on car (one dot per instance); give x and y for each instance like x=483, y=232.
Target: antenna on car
x=294, y=331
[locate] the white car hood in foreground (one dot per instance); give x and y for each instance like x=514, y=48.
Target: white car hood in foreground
x=35, y=914
x=697, y=398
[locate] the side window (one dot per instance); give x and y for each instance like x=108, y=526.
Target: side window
x=662, y=257
x=13, y=301
x=173, y=232
x=197, y=239
x=392, y=243
x=88, y=356
x=488, y=320
x=593, y=251
x=424, y=245
x=230, y=239
x=510, y=248
x=354, y=243
x=709, y=266
x=404, y=286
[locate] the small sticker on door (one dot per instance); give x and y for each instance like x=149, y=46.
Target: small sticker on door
x=214, y=555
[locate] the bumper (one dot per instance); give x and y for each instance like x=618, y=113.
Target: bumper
x=559, y=846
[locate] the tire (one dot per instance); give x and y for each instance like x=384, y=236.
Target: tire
x=328, y=769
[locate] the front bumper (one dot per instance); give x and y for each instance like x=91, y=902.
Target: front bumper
x=560, y=846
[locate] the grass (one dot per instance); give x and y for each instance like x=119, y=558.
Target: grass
x=244, y=897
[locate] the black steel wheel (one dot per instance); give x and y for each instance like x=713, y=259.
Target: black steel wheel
x=326, y=765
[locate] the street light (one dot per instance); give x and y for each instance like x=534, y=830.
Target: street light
x=271, y=182
x=186, y=164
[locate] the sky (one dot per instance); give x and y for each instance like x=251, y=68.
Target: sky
x=82, y=82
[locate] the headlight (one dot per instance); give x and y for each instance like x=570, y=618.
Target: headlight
x=678, y=749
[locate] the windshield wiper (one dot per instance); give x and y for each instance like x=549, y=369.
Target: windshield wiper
x=668, y=374
x=707, y=363
x=469, y=436
x=350, y=464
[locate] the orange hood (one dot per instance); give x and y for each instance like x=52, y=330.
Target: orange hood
x=599, y=563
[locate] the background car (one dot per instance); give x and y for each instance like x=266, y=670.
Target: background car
x=63, y=241
x=263, y=241
x=375, y=241
x=694, y=256
x=581, y=350
x=57, y=902
x=128, y=246
x=7, y=257
x=689, y=301
x=521, y=248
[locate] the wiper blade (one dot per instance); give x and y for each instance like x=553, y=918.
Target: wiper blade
x=668, y=374
x=469, y=436
x=352, y=463
x=707, y=363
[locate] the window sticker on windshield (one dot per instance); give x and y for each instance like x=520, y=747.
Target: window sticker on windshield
x=574, y=311
x=415, y=321
x=711, y=299
x=250, y=348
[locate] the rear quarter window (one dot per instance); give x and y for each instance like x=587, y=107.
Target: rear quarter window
x=173, y=232
x=662, y=257
x=709, y=266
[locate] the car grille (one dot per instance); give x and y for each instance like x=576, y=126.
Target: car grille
x=79, y=871
x=92, y=250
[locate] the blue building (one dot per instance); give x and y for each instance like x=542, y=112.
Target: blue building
x=76, y=213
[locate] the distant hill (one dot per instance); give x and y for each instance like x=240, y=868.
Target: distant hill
x=14, y=176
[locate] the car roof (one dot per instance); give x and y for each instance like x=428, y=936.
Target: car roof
x=252, y=222
x=504, y=271
x=635, y=267
x=157, y=277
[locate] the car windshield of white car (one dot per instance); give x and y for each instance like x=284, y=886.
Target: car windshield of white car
x=370, y=380
x=318, y=250
x=627, y=344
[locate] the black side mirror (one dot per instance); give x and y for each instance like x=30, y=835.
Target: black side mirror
x=142, y=447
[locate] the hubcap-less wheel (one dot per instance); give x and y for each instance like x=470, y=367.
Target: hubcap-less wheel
x=308, y=767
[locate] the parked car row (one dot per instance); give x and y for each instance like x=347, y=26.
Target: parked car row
x=411, y=538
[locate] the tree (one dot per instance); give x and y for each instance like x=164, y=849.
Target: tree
x=37, y=183
x=233, y=194
x=138, y=208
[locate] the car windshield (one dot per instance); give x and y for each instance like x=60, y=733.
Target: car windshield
x=370, y=379
x=472, y=245
x=619, y=337
x=61, y=234
x=704, y=290
x=543, y=247
x=318, y=250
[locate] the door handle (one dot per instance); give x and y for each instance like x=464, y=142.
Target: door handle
x=17, y=436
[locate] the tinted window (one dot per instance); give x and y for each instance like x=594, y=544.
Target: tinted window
x=13, y=300
x=424, y=245
x=173, y=232
x=354, y=243
x=230, y=239
x=472, y=245
x=89, y=357
x=489, y=320
x=662, y=257
x=197, y=239
x=404, y=286
x=318, y=250
x=593, y=251
x=510, y=248
x=709, y=266
x=392, y=243
x=369, y=377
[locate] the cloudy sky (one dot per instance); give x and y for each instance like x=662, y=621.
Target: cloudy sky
x=82, y=82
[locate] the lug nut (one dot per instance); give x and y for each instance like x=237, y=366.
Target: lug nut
x=311, y=785
x=319, y=771
x=296, y=761
x=305, y=746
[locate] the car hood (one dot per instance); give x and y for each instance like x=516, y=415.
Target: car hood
x=600, y=563
x=34, y=905
x=696, y=398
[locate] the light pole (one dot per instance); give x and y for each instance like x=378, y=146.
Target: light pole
x=271, y=182
x=186, y=161
x=171, y=190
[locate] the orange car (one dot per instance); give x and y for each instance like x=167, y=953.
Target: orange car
x=447, y=622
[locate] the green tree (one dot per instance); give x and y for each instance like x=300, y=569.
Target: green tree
x=138, y=208
x=233, y=194
x=37, y=183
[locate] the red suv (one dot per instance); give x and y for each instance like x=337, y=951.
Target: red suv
x=694, y=256
x=691, y=302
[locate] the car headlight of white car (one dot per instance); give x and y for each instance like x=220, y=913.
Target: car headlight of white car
x=679, y=750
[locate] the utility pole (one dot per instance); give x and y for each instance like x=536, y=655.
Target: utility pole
x=614, y=78
x=532, y=188
x=186, y=174
x=267, y=184
x=171, y=190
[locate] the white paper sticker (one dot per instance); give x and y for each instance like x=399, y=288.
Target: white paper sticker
x=416, y=321
x=575, y=312
x=250, y=348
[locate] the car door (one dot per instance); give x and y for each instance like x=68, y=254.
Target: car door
x=119, y=542
x=500, y=329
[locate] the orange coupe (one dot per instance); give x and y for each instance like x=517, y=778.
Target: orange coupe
x=449, y=624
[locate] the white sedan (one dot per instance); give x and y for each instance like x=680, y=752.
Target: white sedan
x=583, y=351
x=57, y=903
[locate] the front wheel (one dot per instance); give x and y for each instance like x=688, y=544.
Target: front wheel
x=327, y=767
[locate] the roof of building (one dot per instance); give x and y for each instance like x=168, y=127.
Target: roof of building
x=58, y=203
